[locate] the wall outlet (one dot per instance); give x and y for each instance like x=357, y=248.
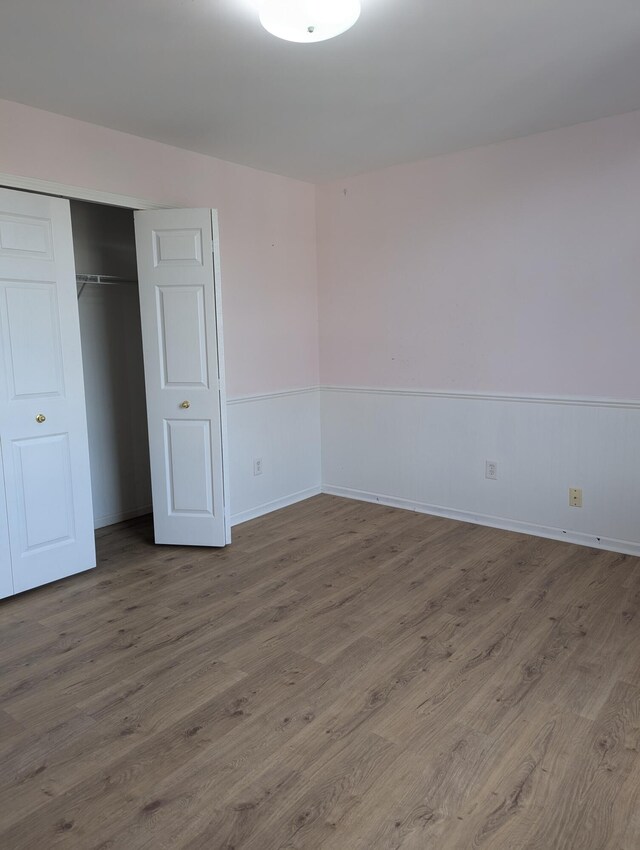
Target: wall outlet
x=575, y=497
x=491, y=469
x=257, y=466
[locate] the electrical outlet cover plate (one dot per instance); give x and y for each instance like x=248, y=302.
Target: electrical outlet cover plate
x=575, y=497
x=491, y=470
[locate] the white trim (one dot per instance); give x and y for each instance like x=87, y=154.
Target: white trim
x=112, y=519
x=611, y=544
x=477, y=396
x=268, y=507
x=81, y=193
x=243, y=399
x=217, y=295
x=579, y=401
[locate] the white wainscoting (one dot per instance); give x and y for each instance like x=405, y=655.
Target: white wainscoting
x=426, y=451
x=284, y=430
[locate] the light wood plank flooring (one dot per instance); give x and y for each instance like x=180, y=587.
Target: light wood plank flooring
x=344, y=676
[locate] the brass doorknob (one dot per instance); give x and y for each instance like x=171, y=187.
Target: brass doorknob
x=40, y=417
x=186, y=405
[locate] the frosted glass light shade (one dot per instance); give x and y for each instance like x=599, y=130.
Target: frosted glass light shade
x=308, y=20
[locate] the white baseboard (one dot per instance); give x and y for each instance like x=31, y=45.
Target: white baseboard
x=112, y=519
x=275, y=505
x=623, y=546
x=427, y=452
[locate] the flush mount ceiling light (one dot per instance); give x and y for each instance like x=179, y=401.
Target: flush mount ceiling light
x=308, y=20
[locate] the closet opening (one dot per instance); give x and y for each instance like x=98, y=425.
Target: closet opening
x=111, y=338
x=81, y=279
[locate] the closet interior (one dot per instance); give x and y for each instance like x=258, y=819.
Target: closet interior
x=106, y=277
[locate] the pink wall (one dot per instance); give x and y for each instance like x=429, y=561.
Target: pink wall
x=513, y=268
x=267, y=232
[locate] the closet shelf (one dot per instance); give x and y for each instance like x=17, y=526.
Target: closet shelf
x=103, y=279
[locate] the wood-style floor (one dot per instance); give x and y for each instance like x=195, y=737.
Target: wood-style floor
x=344, y=676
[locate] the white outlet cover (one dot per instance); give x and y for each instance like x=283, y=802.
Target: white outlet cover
x=491, y=470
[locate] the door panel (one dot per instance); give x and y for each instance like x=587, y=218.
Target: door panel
x=177, y=247
x=179, y=333
x=25, y=237
x=33, y=349
x=43, y=434
x=189, y=463
x=43, y=486
x=183, y=339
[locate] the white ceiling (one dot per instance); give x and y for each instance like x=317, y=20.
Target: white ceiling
x=412, y=79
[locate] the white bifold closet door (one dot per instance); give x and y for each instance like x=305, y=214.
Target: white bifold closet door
x=46, y=518
x=182, y=374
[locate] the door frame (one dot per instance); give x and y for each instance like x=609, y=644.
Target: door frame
x=80, y=193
